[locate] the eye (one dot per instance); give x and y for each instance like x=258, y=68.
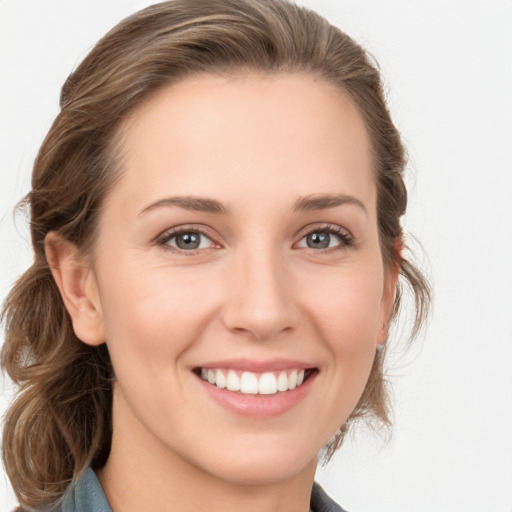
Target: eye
x=186, y=240
x=326, y=237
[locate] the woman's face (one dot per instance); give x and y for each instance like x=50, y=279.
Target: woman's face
x=240, y=246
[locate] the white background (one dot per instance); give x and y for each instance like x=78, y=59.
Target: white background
x=448, y=67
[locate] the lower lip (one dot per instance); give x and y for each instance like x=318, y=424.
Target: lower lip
x=258, y=406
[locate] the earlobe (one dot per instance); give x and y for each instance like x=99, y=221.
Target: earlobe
x=78, y=288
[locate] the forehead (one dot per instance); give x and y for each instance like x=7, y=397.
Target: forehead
x=245, y=135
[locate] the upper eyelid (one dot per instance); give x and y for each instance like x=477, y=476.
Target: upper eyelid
x=324, y=226
x=185, y=228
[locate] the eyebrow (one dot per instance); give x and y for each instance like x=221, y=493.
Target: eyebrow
x=314, y=202
x=311, y=202
x=198, y=204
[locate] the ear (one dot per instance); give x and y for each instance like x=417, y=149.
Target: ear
x=389, y=292
x=78, y=288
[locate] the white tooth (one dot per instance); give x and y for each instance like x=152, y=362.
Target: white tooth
x=249, y=383
x=220, y=379
x=233, y=381
x=204, y=373
x=292, y=380
x=300, y=377
x=211, y=376
x=267, y=384
x=282, y=382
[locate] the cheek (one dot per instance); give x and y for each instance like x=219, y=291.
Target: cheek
x=348, y=305
x=347, y=314
x=154, y=315
x=150, y=322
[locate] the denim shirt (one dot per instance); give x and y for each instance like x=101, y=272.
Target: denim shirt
x=86, y=495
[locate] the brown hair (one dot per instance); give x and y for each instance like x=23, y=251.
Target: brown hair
x=60, y=421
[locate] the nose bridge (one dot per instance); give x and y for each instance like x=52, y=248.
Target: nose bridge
x=260, y=301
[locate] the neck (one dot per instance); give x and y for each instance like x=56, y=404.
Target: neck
x=143, y=474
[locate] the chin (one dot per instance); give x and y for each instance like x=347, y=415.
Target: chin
x=260, y=461
x=265, y=470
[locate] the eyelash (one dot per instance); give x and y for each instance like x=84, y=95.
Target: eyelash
x=164, y=239
x=346, y=239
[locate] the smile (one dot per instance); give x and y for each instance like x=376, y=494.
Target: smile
x=250, y=383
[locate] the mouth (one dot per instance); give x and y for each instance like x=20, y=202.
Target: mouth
x=255, y=383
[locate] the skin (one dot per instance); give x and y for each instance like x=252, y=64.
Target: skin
x=254, y=289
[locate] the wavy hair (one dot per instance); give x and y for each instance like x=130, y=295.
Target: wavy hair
x=60, y=421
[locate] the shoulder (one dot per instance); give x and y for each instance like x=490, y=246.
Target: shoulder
x=321, y=502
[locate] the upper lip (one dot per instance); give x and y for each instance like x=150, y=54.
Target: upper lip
x=256, y=366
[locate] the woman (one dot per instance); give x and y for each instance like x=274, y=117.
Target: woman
x=215, y=216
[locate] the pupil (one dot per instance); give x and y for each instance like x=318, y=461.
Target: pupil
x=188, y=241
x=318, y=240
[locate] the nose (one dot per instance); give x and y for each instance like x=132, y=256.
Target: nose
x=261, y=303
